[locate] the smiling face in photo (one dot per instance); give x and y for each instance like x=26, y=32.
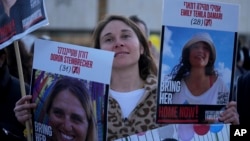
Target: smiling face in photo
x=68, y=118
x=199, y=54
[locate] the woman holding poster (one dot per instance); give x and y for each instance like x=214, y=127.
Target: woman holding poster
x=200, y=83
x=132, y=95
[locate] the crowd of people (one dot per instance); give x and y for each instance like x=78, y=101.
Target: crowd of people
x=132, y=95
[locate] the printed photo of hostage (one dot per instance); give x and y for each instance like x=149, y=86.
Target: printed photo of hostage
x=70, y=112
x=200, y=83
x=16, y=16
x=62, y=109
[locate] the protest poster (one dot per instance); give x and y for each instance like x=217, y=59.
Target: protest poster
x=20, y=17
x=187, y=23
x=183, y=132
x=55, y=61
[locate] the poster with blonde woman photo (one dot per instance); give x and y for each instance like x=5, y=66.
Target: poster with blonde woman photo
x=69, y=91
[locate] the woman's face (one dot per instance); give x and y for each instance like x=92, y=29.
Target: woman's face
x=121, y=39
x=199, y=54
x=68, y=118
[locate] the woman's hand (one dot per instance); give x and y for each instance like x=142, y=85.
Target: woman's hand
x=23, y=109
x=230, y=115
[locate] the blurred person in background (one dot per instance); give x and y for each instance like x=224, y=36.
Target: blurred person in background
x=144, y=28
x=10, y=128
x=245, y=45
x=243, y=97
x=239, y=70
x=26, y=60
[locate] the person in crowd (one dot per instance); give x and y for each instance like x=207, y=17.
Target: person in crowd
x=245, y=46
x=242, y=94
x=143, y=26
x=240, y=60
x=132, y=93
x=200, y=83
x=69, y=109
x=10, y=93
x=239, y=70
x=26, y=60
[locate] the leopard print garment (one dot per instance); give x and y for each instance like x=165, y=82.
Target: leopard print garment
x=141, y=119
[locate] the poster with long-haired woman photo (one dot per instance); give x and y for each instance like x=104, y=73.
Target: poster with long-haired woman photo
x=196, y=70
x=69, y=91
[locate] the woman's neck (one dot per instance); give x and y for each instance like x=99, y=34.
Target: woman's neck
x=197, y=74
x=197, y=82
x=126, y=80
